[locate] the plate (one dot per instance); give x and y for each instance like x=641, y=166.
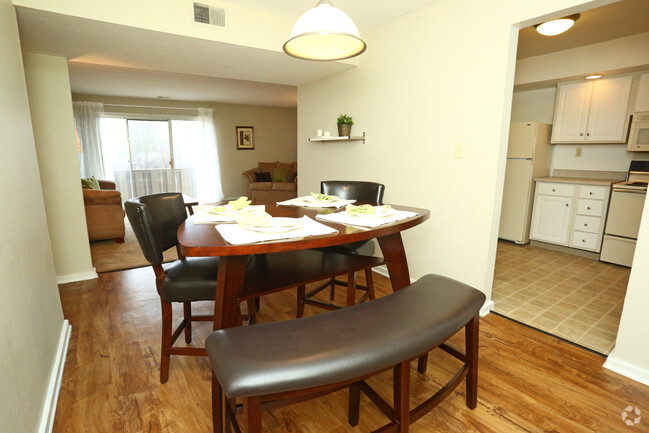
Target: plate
x=380, y=213
x=311, y=199
x=278, y=225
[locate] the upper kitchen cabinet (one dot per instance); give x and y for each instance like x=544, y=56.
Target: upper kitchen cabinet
x=592, y=111
x=642, y=99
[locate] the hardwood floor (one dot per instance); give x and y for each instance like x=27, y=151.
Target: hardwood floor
x=529, y=381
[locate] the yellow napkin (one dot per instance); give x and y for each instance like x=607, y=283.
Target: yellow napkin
x=365, y=209
x=237, y=204
x=255, y=219
x=323, y=197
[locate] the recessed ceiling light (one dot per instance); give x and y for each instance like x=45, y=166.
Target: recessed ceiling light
x=556, y=27
x=593, y=77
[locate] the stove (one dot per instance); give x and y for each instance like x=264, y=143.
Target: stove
x=636, y=179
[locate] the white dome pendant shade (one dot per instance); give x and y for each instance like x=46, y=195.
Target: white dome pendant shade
x=324, y=33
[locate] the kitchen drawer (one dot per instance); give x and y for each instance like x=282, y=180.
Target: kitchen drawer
x=585, y=241
x=587, y=223
x=593, y=192
x=556, y=189
x=590, y=207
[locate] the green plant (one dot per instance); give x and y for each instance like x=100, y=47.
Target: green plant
x=344, y=119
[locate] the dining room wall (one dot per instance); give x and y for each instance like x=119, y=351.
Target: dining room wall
x=32, y=317
x=275, y=131
x=48, y=85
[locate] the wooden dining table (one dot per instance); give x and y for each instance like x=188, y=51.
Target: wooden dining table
x=203, y=240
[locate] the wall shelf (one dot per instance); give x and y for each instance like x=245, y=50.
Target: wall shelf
x=344, y=138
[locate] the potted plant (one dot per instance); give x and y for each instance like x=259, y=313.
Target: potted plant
x=345, y=125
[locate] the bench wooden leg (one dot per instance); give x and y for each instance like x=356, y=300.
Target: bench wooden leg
x=401, y=379
x=422, y=363
x=187, y=313
x=252, y=414
x=301, y=293
x=219, y=417
x=472, y=331
x=351, y=289
x=354, y=404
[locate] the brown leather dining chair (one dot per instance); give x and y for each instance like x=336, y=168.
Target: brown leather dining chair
x=364, y=192
x=155, y=220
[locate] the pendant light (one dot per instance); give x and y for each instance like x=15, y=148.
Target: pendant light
x=324, y=33
x=556, y=27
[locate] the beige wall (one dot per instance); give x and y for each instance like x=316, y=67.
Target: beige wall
x=30, y=309
x=275, y=132
x=48, y=86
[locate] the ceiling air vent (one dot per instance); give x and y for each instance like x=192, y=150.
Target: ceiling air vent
x=209, y=15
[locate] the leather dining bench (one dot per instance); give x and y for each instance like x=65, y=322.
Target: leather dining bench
x=278, y=363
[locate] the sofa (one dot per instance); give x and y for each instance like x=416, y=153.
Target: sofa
x=104, y=212
x=271, y=182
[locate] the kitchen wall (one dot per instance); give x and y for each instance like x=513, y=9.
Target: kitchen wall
x=32, y=318
x=275, y=132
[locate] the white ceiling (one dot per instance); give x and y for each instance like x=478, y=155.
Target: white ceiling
x=108, y=59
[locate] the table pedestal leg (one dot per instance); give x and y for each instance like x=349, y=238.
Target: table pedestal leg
x=232, y=272
x=395, y=255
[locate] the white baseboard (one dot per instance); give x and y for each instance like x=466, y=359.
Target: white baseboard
x=487, y=307
x=625, y=369
x=54, y=386
x=71, y=278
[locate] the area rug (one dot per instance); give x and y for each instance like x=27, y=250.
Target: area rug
x=110, y=256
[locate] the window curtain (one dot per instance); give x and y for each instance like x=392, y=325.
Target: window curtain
x=87, y=119
x=208, y=170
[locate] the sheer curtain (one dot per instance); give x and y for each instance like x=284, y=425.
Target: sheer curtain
x=208, y=170
x=87, y=119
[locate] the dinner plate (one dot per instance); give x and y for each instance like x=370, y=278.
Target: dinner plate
x=380, y=213
x=278, y=225
x=226, y=211
x=311, y=199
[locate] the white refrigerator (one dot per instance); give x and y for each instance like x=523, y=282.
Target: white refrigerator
x=529, y=155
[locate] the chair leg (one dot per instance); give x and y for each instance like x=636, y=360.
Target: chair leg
x=351, y=288
x=301, y=293
x=354, y=404
x=369, y=282
x=471, y=336
x=401, y=384
x=252, y=311
x=219, y=417
x=252, y=414
x=165, y=357
x=187, y=311
x=332, y=289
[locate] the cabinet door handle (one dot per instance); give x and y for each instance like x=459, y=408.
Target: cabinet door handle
x=588, y=134
x=554, y=190
x=585, y=224
x=581, y=134
x=566, y=204
x=588, y=208
x=591, y=193
x=583, y=240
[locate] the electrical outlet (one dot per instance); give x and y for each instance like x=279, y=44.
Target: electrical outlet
x=578, y=152
x=459, y=151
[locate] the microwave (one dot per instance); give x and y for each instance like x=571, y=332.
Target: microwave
x=639, y=135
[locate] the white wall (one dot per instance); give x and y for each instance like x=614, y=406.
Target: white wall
x=30, y=309
x=275, y=133
x=48, y=86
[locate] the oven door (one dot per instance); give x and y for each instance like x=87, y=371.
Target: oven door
x=625, y=213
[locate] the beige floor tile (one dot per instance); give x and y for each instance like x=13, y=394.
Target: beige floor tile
x=543, y=323
x=567, y=332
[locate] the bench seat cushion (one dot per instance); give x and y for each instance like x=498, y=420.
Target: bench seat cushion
x=341, y=345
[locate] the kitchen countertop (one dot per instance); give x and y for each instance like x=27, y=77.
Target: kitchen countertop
x=577, y=180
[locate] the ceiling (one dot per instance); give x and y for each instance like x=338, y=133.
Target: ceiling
x=129, y=64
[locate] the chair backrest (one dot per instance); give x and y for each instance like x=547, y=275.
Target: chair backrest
x=155, y=220
x=371, y=192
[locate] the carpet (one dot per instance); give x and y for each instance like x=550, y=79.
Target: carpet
x=110, y=256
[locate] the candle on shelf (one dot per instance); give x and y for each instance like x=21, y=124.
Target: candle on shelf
x=319, y=133
x=327, y=134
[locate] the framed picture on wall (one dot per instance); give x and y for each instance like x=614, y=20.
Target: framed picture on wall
x=245, y=137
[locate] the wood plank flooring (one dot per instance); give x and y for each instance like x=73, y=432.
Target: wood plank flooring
x=529, y=381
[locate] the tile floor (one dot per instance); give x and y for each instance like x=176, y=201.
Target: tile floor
x=572, y=297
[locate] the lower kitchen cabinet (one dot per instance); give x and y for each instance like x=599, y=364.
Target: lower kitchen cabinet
x=571, y=215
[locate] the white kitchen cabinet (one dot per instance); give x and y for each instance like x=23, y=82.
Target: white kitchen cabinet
x=592, y=111
x=571, y=215
x=642, y=97
x=552, y=213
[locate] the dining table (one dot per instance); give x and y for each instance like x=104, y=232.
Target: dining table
x=204, y=240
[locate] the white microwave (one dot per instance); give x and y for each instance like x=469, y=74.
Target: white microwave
x=639, y=135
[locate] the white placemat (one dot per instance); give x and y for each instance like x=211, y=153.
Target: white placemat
x=236, y=235
x=206, y=217
x=366, y=221
x=306, y=202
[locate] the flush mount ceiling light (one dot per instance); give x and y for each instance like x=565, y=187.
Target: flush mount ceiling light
x=593, y=77
x=556, y=27
x=324, y=33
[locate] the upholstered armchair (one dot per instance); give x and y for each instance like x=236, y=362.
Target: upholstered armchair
x=271, y=182
x=104, y=212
